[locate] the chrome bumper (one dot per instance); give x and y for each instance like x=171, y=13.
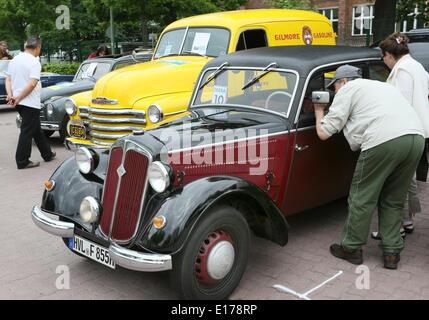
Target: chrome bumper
x=135, y=260
x=52, y=226
x=129, y=259
x=49, y=126
x=73, y=146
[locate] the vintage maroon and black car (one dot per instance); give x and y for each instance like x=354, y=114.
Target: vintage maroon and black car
x=186, y=195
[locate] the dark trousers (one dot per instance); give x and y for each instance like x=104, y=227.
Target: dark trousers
x=30, y=129
x=381, y=179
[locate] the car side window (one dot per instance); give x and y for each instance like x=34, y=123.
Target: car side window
x=378, y=71
x=250, y=39
x=307, y=117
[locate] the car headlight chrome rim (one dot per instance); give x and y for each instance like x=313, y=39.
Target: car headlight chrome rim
x=71, y=107
x=49, y=109
x=90, y=210
x=86, y=160
x=154, y=113
x=158, y=176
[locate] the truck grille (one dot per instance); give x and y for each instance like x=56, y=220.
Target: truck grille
x=104, y=126
x=124, y=191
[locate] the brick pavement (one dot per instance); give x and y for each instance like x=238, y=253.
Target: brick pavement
x=29, y=257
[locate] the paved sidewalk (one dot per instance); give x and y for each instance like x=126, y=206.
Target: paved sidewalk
x=32, y=262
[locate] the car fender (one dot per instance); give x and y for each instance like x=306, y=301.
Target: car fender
x=71, y=187
x=185, y=207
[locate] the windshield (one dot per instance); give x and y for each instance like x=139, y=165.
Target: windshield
x=3, y=67
x=236, y=87
x=92, y=70
x=211, y=42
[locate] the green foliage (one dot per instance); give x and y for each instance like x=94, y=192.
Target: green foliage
x=61, y=67
x=89, y=19
x=405, y=7
x=292, y=4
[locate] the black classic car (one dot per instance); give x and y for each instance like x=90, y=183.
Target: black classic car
x=53, y=116
x=46, y=79
x=419, y=46
x=185, y=195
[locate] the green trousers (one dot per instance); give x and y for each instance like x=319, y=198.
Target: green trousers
x=381, y=179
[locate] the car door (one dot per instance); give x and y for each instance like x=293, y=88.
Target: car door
x=321, y=171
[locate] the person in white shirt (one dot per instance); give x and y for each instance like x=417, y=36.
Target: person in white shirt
x=23, y=92
x=378, y=120
x=411, y=79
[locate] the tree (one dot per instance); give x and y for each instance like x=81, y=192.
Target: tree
x=292, y=4
x=161, y=11
x=387, y=12
x=17, y=16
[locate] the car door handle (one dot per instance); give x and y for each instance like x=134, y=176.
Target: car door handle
x=298, y=148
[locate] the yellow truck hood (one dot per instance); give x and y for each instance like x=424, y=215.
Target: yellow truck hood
x=153, y=78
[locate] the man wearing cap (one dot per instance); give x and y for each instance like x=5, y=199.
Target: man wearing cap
x=378, y=120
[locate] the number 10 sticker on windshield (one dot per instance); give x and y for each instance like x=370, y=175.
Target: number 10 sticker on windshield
x=219, y=95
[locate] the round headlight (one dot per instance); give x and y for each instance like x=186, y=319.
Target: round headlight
x=49, y=109
x=154, y=113
x=70, y=107
x=86, y=160
x=158, y=176
x=90, y=210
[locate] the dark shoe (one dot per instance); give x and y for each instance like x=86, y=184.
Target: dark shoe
x=354, y=257
x=31, y=164
x=391, y=260
x=54, y=154
x=408, y=227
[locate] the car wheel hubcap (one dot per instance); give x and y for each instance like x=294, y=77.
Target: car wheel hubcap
x=215, y=258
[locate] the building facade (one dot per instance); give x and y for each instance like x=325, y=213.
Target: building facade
x=352, y=20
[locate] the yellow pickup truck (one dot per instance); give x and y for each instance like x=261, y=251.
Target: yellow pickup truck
x=132, y=98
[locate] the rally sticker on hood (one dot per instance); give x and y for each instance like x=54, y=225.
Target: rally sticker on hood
x=176, y=62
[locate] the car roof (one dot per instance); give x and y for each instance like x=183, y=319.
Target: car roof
x=418, y=35
x=419, y=51
x=245, y=17
x=300, y=58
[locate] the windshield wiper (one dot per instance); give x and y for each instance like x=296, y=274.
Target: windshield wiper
x=256, y=78
x=215, y=74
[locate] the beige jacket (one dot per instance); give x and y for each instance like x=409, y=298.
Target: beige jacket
x=419, y=85
x=370, y=112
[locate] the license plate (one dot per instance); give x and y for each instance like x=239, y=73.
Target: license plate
x=91, y=250
x=77, y=131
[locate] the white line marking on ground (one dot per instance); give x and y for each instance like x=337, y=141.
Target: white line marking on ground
x=305, y=295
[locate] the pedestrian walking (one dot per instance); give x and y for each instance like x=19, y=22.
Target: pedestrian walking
x=4, y=52
x=378, y=120
x=23, y=92
x=412, y=80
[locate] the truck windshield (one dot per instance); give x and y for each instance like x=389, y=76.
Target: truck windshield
x=92, y=70
x=4, y=64
x=211, y=42
x=273, y=91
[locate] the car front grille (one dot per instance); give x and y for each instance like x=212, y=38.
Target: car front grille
x=104, y=126
x=124, y=191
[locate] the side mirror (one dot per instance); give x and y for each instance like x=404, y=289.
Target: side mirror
x=321, y=97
